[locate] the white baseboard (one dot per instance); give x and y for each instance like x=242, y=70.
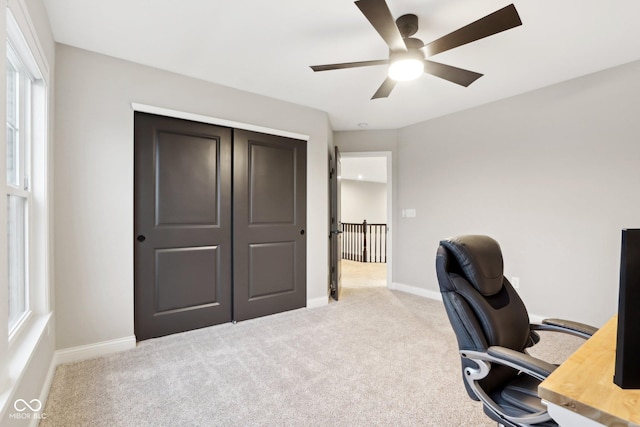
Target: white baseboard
x=416, y=291
x=75, y=354
x=317, y=302
x=533, y=318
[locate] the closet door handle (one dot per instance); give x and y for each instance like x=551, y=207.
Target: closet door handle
x=141, y=238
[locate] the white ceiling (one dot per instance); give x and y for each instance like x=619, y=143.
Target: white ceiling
x=266, y=47
x=371, y=169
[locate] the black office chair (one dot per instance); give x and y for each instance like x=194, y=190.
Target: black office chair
x=493, y=331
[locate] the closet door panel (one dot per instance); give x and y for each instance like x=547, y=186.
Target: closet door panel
x=182, y=225
x=269, y=224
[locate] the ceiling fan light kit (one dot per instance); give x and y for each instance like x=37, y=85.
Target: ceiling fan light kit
x=406, y=57
x=405, y=66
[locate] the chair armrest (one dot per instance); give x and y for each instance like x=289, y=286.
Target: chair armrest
x=522, y=361
x=565, y=326
x=526, y=363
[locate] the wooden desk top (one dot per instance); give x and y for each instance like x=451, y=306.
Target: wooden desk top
x=584, y=383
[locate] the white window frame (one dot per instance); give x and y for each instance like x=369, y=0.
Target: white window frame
x=21, y=189
x=17, y=348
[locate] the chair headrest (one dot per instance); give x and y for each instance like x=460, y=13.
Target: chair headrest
x=480, y=258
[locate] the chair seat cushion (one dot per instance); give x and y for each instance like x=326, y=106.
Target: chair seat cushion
x=520, y=398
x=522, y=393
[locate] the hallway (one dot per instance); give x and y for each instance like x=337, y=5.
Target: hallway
x=363, y=274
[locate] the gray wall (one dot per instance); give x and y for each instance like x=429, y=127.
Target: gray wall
x=363, y=200
x=94, y=181
x=553, y=175
x=366, y=140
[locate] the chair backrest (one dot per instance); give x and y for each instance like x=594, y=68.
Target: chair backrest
x=482, y=306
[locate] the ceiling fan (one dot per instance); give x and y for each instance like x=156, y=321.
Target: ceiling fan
x=407, y=54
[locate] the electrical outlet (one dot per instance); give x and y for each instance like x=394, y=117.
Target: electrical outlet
x=515, y=282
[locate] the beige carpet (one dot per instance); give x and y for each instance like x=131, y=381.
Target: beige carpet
x=363, y=274
x=376, y=358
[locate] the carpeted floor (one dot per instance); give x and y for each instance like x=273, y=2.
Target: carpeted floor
x=376, y=358
x=363, y=274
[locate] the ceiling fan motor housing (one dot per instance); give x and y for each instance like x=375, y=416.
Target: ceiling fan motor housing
x=407, y=24
x=411, y=53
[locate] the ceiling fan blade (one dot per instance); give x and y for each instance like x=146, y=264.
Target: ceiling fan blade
x=453, y=74
x=349, y=65
x=494, y=23
x=385, y=88
x=378, y=14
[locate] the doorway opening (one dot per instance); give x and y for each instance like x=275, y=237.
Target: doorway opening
x=365, y=213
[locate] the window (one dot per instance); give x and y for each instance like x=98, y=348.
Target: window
x=25, y=205
x=21, y=81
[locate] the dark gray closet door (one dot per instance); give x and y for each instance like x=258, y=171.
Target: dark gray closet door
x=269, y=203
x=182, y=225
